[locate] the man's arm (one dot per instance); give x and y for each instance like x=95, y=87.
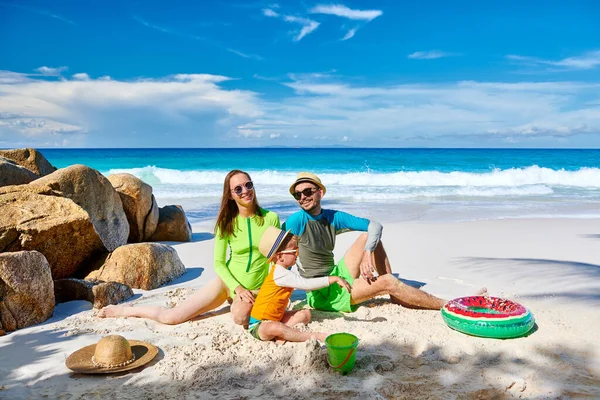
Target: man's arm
x=367, y=268
x=374, y=235
x=344, y=221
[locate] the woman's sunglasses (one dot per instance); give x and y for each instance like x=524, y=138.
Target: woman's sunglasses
x=306, y=192
x=240, y=188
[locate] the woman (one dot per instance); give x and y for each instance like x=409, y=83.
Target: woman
x=240, y=225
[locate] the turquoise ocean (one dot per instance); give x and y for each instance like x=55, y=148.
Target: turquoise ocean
x=384, y=184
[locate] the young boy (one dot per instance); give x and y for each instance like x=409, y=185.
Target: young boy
x=269, y=319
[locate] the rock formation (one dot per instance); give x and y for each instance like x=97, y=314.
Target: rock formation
x=141, y=266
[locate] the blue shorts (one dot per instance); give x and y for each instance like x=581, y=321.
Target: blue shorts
x=253, y=328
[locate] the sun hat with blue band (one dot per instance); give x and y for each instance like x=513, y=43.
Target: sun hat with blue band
x=271, y=241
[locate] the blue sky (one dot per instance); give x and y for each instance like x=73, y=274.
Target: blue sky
x=299, y=73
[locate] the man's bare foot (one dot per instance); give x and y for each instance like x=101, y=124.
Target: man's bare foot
x=113, y=311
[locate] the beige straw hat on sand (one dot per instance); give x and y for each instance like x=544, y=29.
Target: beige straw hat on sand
x=111, y=354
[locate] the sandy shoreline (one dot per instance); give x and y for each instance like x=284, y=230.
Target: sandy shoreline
x=552, y=266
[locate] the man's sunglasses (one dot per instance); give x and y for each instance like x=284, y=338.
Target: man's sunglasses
x=240, y=188
x=306, y=192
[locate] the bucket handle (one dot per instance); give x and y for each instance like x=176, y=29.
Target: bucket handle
x=343, y=362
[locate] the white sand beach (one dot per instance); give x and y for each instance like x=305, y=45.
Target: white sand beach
x=552, y=266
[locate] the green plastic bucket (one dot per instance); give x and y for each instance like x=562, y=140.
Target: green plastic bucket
x=341, y=350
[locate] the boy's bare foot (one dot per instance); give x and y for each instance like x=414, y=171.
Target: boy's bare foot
x=321, y=336
x=113, y=311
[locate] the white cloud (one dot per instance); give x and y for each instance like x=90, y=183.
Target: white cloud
x=429, y=55
x=244, y=55
x=350, y=34
x=589, y=60
x=541, y=129
x=197, y=110
x=210, y=42
x=38, y=126
x=41, y=111
x=269, y=13
x=8, y=77
x=81, y=77
x=342, y=11
x=48, y=71
x=250, y=133
x=308, y=26
x=40, y=12
x=390, y=115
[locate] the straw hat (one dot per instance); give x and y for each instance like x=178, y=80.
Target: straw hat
x=111, y=354
x=271, y=241
x=307, y=177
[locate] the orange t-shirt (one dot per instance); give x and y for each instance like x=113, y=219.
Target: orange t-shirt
x=272, y=300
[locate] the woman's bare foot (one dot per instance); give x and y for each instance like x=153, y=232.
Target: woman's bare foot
x=113, y=311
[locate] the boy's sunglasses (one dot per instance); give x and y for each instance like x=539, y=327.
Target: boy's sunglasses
x=295, y=251
x=240, y=188
x=306, y=192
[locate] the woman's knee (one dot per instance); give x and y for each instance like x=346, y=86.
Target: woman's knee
x=240, y=319
x=168, y=317
x=240, y=312
x=241, y=315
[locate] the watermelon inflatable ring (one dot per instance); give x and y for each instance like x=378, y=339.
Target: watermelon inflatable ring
x=490, y=317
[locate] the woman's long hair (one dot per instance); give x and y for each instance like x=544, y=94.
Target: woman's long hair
x=229, y=209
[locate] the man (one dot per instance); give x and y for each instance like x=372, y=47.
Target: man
x=365, y=266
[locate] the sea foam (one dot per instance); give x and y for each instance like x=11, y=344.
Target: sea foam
x=533, y=175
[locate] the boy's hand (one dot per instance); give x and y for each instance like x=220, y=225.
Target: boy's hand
x=341, y=281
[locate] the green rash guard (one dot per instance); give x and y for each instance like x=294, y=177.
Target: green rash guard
x=245, y=266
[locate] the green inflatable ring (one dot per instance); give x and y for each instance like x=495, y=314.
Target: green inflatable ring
x=490, y=317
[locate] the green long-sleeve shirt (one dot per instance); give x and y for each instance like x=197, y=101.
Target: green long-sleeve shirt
x=245, y=266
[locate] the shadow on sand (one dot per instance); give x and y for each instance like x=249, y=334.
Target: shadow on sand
x=202, y=236
x=387, y=370
x=189, y=275
x=586, y=275
x=591, y=236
